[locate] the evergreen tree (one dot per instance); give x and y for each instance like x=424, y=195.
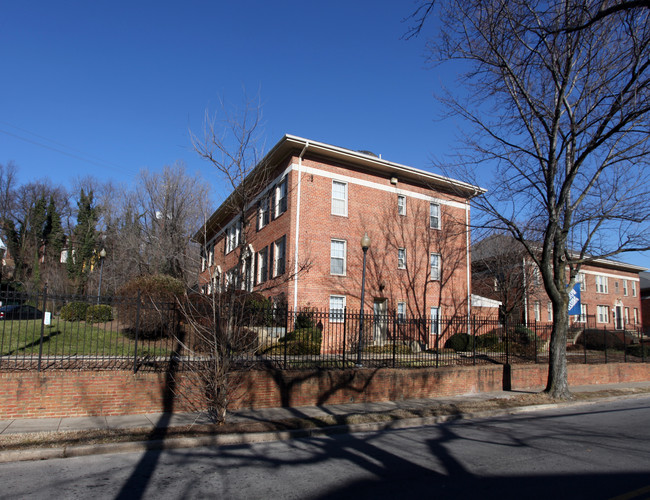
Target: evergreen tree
x=84, y=242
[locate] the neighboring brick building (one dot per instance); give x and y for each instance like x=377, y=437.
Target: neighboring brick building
x=610, y=293
x=645, y=300
x=305, y=224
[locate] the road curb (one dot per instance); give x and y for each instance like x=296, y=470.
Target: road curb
x=34, y=454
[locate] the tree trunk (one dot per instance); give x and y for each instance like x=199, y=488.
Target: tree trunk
x=557, y=385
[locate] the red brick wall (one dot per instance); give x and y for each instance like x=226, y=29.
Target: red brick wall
x=69, y=394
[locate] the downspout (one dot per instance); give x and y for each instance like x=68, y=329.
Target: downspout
x=295, y=253
x=523, y=267
x=467, y=265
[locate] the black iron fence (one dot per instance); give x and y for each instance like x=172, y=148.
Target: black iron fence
x=44, y=331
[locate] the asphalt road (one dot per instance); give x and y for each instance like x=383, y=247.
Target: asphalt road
x=588, y=451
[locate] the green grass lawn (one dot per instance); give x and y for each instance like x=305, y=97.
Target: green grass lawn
x=22, y=338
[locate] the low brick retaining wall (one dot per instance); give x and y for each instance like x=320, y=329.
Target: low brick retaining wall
x=84, y=393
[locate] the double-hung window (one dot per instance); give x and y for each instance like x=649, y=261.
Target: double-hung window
x=625, y=288
x=401, y=312
x=583, y=313
x=262, y=265
x=434, y=264
x=401, y=204
x=337, y=257
x=279, y=256
x=280, y=198
x=601, y=284
x=337, y=308
x=401, y=258
x=634, y=289
x=537, y=311
x=434, y=216
x=339, y=198
x=581, y=278
x=549, y=311
x=435, y=321
x=602, y=314
x=263, y=213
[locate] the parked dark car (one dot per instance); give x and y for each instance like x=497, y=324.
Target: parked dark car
x=17, y=311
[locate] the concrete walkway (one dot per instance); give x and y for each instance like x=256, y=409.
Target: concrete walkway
x=22, y=430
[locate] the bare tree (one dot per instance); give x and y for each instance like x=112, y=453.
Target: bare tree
x=561, y=116
x=219, y=320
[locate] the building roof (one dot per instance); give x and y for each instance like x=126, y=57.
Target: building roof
x=292, y=144
x=498, y=244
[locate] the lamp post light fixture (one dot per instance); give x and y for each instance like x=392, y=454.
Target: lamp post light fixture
x=365, y=244
x=102, y=256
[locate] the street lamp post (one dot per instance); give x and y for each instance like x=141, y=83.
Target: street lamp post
x=365, y=244
x=102, y=256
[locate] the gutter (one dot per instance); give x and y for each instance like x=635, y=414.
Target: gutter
x=295, y=253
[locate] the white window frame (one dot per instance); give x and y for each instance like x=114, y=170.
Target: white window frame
x=626, y=315
x=602, y=314
x=401, y=258
x=279, y=257
x=633, y=288
x=401, y=204
x=549, y=311
x=434, y=220
x=263, y=213
x=583, y=313
x=625, y=288
x=636, y=316
x=337, y=314
x=344, y=258
x=616, y=287
x=435, y=273
x=262, y=265
x=434, y=314
x=537, y=310
x=344, y=200
x=601, y=284
x=401, y=312
x=281, y=193
x=582, y=279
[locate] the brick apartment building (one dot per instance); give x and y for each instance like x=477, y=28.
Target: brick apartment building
x=305, y=222
x=610, y=292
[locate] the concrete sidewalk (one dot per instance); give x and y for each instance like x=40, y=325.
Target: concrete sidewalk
x=30, y=430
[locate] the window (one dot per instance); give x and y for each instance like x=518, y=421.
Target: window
x=280, y=199
x=401, y=258
x=537, y=310
x=401, y=204
x=625, y=288
x=263, y=213
x=582, y=279
x=435, y=321
x=279, y=254
x=434, y=216
x=211, y=256
x=627, y=315
x=616, y=287
x=233, y=234
x=634, y=289
x=549, y=311
x=231, y=278
x=337, y=308
x=202, y=258
x=636, y=315
x=435, y=266
x=537, y=277
x=262, y=265
x=339, y=198
x=583, y=313
x=602, y=314
x=401, y=312
x=337, y=257
x=601, y=284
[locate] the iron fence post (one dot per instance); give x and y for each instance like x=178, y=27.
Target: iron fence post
x=507, y=342
x=535, y=342
x=40, y=344
x=137, y=332
x=605, y=342
x=286, y=331
x=345, y=343
x=474, y=340
x=394, y=336
x=584, y=341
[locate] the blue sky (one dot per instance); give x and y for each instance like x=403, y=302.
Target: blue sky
x=107, y=88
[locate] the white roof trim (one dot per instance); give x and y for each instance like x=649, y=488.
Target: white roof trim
x=478, y=301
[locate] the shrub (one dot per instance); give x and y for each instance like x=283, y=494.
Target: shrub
x=459, y=342
x=304, y=319
x=158, y=316
x=74, y=311
x=305, y=341
x=100, y=313
x=487, y=341
x=599, y=339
